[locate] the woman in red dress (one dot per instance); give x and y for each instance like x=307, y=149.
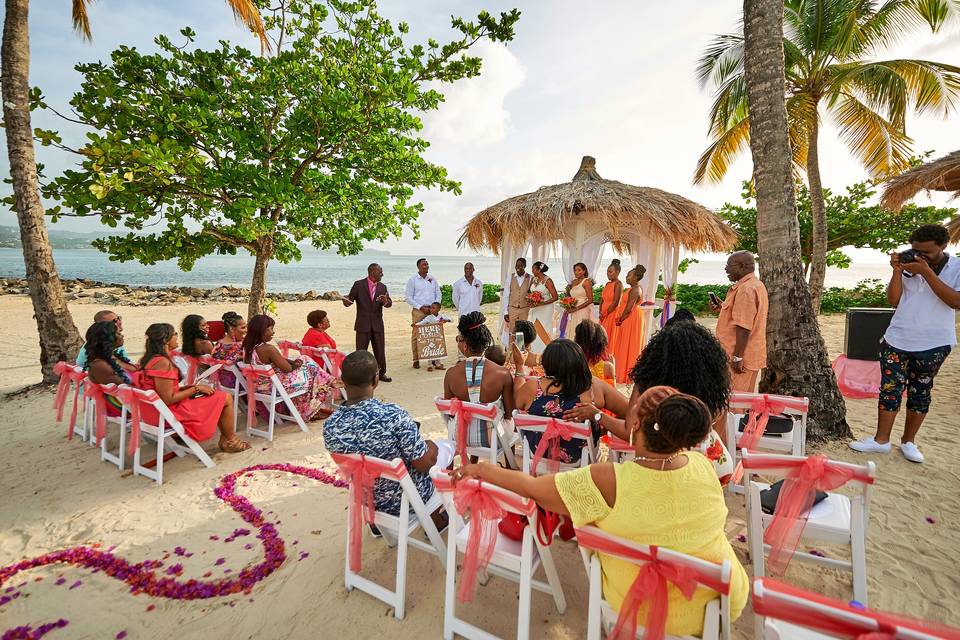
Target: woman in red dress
x=316, y=335
x=199, y=408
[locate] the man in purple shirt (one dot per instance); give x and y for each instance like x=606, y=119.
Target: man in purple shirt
x=371, y=297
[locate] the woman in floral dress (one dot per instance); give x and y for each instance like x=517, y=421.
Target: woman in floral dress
x=230, y=346
x=295, y=375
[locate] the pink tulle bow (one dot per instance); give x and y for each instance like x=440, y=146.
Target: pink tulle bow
x=336, y=361
x=464, y=414
x=95, y=392
x=800, y=486
x=68, y=374
x=553, y=433
x=129, y=398
x=251, y=375
x=485, y=515
x=361, y=474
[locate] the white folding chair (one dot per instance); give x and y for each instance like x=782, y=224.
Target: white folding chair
x=793, y=442
x=480, y=415
x=72, y=378
x=516, y=561
x=161, y=431
x=95, y=404
x=837, y=520
x=526, y=423
x=276, y=396
x=192, y=364
x=330, y=360
x=600, y=615
x=398, y=530
x=784, y=612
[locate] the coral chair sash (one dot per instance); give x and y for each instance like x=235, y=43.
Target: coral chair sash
x=128, y=396
x=95, y=392
x=761, y=408
x=486, y=508
x=362, y=472
x=650, y=584
x=252, y=373
x=554, y=431
x=464, y=413
x=68, y=374
x=863, y=625
x=805, y=477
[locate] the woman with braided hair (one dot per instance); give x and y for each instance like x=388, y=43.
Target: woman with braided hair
x=477, y=379
x=199, y=408
x=667, y=496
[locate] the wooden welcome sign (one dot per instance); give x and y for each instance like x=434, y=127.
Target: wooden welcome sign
x=431, y=343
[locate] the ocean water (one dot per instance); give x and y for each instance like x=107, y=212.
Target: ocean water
x=324, y=272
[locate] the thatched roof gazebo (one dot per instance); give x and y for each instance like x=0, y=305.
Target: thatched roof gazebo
x=588, y=212
x=942, y=174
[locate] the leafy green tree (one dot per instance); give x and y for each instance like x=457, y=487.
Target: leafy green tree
x=851, y=222
x=226, y=150
x=831, y=50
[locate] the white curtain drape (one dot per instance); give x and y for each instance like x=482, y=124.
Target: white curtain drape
x=646, y=251
x=670, y=256
x=509, y=252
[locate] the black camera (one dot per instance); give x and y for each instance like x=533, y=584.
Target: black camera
x=910, y=255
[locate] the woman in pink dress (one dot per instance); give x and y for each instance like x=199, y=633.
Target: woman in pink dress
x=295, y=375
x=199, y=408
x=230, y=346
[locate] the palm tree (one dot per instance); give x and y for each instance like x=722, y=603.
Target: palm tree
x=59, y=338
x=829, y=48
x=797, y=362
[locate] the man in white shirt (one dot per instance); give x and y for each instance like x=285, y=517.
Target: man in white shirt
x=925, y=289
x=421, y=293
x=467, y=292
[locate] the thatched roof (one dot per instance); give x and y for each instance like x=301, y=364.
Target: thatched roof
x=619, y=207
x=942, y=174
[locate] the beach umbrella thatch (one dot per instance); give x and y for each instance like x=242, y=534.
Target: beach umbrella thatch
x=942, y=174
x=619, y=207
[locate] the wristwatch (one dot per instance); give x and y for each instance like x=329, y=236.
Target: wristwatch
x=596, y=418
x=737, y=359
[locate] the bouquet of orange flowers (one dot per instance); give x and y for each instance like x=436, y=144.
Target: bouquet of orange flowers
x=535, y=297
x=569, y=303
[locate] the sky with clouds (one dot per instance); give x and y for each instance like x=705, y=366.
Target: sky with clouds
x=611, y=79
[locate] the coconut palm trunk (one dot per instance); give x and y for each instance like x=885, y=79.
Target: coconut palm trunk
x=797, y=362
x=59, y=338
x=818, y=214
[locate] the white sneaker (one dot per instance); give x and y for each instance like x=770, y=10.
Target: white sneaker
x=911, y=452
x=869, y=445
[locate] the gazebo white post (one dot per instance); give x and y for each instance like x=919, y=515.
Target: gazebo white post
x=507, y=261
x=650, y=282
x=670, y=269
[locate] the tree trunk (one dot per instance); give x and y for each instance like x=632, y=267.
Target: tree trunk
x=797, y=362
x=59, y=338
x=818, y=252
x=258, y=289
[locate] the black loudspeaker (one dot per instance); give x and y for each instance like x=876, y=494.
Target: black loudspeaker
x=865, y=329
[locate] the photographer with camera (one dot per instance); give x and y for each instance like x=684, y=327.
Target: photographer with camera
x=925, y=289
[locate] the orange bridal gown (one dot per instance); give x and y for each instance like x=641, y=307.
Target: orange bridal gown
x=629, y=336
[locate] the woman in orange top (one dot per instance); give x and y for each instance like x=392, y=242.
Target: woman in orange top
x=199, y=408
x=610, y=300
x=630, y=325
x=591, y=337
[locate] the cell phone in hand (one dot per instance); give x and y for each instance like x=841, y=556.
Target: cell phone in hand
x=518, y=340
x=197, y=395
x=714, y=299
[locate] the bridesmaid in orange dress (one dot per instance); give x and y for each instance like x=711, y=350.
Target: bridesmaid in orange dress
x=630, y=325
x=610, y=301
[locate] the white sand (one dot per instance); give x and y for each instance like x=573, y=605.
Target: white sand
x=57, y=494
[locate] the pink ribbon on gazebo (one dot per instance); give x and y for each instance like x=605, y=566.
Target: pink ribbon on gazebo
x=761, y=408
x=554, y=431
x=96, y=392
x=68, y=373
x=842, y=625
x=650, y=585
x=129, y=397
x=361, y=472
x=806, y=476
x=464, y=413
x=471, y=495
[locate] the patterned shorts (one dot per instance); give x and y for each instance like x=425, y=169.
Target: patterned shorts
x=910, y=370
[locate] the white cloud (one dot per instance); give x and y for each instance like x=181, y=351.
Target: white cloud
x=474, y=110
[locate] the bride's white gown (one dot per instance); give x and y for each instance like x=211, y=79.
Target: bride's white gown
x=545, y=314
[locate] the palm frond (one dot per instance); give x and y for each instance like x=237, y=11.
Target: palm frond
x=81, y=20
x=730, y=105
x=892, y=85
x=727, y=145
x=245, y=11
x=723, y=58
x=881, y=146
x=895, y=19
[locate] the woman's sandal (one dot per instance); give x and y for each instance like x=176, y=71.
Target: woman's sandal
x=430, y=367
x=235, y=445
x=440, y=367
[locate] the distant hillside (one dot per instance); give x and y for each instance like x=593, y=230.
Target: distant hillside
x=61, y=239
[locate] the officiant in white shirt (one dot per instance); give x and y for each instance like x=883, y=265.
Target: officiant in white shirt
x=422, y=291
x=467, y=292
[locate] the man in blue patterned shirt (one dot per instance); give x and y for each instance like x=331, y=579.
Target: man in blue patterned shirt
x=363, y=424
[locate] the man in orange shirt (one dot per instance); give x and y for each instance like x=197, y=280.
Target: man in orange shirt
x=742, y=325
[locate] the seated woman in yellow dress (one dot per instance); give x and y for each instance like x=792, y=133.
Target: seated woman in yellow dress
x=668, y=496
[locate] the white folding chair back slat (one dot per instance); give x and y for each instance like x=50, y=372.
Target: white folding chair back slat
x=502, y=436
x=277, y=396
x=526, y=423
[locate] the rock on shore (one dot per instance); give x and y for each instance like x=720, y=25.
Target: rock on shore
x=141, y=296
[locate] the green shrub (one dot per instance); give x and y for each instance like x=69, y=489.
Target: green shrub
x=491, y=293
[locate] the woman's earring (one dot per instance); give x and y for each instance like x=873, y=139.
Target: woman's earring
x=631, y=438
x=656, y=426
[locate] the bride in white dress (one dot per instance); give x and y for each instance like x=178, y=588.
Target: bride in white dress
x=544, y=312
